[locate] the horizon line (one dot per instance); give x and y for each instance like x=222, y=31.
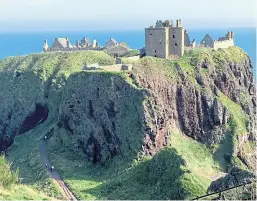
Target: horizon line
x=120, y=30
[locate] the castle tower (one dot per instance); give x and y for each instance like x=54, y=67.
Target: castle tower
x=156, y=41
x=77, y=44
x=232, y=34
x=176, y=40
x=67, y=43
x=164, y=40
x=193, y=45
x=94, y=43
x=45, y=46
x=179, y=23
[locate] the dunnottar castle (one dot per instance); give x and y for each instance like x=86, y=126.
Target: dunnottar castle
x=164, y=40
x=167, y=40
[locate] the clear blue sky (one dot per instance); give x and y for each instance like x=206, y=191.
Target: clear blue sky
x=52, y=15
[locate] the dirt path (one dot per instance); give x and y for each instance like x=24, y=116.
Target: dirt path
x=54, y=174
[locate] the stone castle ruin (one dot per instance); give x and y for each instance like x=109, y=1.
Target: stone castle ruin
x=222, y=42
x=63, y=44
x=167, y=40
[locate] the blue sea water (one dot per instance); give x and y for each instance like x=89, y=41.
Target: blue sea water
x=14, y=44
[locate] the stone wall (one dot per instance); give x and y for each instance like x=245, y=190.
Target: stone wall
x=207, y=41
x=176, y=41
x=187, y=39
x=72, y=49
x=156, y=42
x=223, y=44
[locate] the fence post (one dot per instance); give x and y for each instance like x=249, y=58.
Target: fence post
x=219, y=195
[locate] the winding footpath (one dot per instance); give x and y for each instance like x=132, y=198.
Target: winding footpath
x=54, y=174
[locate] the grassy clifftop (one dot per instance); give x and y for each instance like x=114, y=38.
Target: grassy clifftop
x=120, y=137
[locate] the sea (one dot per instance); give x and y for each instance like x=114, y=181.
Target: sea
x=16, y=44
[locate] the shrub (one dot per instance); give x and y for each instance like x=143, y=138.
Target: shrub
x=7, y=177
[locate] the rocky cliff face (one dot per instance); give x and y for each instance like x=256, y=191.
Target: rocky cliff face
x=31, y=87
x=102, y=116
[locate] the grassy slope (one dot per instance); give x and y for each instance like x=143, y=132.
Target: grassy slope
x=148, y=178
x=193, y=153
x=9, y=187
x=22, y=192
x=118, y=180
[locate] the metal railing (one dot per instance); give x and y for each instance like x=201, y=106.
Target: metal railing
x=225, y=190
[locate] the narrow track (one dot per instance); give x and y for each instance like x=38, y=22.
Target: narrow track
x=54, y=174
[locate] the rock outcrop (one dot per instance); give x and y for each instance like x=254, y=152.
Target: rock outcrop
x=235, y=177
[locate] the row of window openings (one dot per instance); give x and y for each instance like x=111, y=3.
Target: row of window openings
x=162, y=34
x=176, y=45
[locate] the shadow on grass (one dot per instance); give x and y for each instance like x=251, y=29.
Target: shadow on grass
x=225, y=151
x=162, y=177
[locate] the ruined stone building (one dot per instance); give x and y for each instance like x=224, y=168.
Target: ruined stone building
x=222, y=42
x=111, y=42
x=63, y=44
x=59, y=43
x=166, y=40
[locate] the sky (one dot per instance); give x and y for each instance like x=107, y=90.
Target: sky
x=78, y=15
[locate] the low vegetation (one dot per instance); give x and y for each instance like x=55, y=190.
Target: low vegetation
x=182, y=170
x=11, y=189
x=7, y=177
x=131, y=53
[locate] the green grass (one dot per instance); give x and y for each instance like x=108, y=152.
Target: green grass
x=178, y=172
x=193, y=153
x=239, y=118
x=22, y=192
x=10, y=188
x=225, y=151
x=165, y=176
x=131, y=53
x=7, y=177
x=25, y=155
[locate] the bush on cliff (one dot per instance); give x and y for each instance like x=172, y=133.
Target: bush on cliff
x=7, y=177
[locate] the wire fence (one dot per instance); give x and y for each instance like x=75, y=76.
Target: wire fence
x=246, y=191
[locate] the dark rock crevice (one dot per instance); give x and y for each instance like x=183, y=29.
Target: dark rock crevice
x=39, y=115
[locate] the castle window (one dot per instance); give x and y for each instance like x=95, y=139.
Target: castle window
x=173, y=36
x=160, y=42
x=151, y=33
x=155, y=51
x=176, y=45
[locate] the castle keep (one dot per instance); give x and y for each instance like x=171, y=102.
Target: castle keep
x=165, y=40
